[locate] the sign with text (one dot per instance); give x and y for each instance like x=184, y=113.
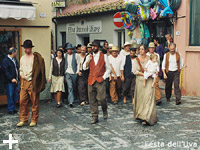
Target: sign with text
x=58, y=4
x=86, y=27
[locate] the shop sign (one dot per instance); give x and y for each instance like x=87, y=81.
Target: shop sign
x=86, y=27
x=58, y=4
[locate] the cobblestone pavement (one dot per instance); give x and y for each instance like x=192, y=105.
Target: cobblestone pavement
x=70, y=129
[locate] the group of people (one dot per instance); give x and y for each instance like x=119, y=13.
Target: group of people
x=93, y=73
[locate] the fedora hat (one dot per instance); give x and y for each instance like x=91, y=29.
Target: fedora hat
x=69, y=46
x=127, y=43
x=89, y=45
x=114, y=48
x=151, y=44
x=27, y=44
x=95, y=43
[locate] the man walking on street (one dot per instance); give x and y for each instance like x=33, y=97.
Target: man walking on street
x=71, y=71
x=83, y=78
x=171, y=66
x=99, y=70
x=157, y=89
x=33, y=79
x=11, y=70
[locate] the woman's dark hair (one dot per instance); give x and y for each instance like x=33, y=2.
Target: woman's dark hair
x=60, y=50
x=145, y=47
x=105, y=43
x=157, y=39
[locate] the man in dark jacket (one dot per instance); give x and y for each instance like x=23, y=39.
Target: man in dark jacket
x=11, y=70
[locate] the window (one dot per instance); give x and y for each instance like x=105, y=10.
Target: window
x=121, y=38
x=63, y=35
x=194, y=23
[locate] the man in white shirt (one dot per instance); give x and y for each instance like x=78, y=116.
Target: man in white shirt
x=171, y=66
x=126, y=50
x=83, y=78
x=71, y=71
x=157, y=89
x=99, y=70
x=115, y=61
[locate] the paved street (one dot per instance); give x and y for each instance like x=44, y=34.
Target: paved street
x=70, y=129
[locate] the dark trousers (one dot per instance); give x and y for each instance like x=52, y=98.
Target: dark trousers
x=83, y=88
x=97, y=92
x=12, y=95
x=173, y=76
x=128, y=86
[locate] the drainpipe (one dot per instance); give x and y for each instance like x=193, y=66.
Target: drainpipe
x=54, y=21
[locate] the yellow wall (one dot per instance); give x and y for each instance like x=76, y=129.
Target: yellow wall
x=41, y=37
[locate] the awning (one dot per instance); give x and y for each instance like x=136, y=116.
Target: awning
x=17, y=12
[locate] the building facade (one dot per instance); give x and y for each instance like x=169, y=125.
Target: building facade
x=18, y=23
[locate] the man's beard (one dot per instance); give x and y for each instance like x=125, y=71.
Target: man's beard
x=95, y=50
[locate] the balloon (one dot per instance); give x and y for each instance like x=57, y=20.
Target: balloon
x=153, y=14
x=141, y=13
x=147, y=4
x=132, y=1
x=167, y=9
x=127, y=20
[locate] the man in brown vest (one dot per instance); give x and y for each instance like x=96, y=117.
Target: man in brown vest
x=171, y=66
x=99, y=70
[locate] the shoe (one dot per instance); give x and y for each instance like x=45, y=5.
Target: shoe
x=21, y=124
x=168, y=100
x=125, y=101
x=32, y=124
x=58, y=105
x=178, y=102
x=115, y=102
x=11, y=112
x=158, y=103
x=94, y=120
x=71, y=105
x=144, y=123
x=105, y=115
x=15, y=111
x=83, y=103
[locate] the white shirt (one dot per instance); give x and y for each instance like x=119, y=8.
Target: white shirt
x=96, y=59
x=124, y=53
x=15, y=66
x=81, y=59
x=152, y=67
x=116, y=64
x=172, y=62
x=148, y=54
x=69, y=61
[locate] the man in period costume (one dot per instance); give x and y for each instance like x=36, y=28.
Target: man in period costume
x=83, y=78
x=71, y=71
x=99, y=70
x=127, y=77
x=171, y=66
x=33, y=79
x=157, y=89
x=115, y=61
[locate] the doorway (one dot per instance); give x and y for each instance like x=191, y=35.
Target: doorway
x=8, y=38
x=83, y=39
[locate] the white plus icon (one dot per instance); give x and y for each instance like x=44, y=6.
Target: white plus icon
x=10, y=141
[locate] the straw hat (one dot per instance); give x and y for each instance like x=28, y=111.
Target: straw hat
x=127, y=43
x=114, y=48
x=151, y=44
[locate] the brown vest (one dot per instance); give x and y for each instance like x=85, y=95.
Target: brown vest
x=167, y=61
x=97, y=72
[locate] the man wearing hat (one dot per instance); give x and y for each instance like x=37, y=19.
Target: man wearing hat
x=126, y=50
x=33, y=80
x=127, y=77
x=157, y=89
x=71, y=71
x=99, y=70
x=89, y=48
x=11, y=70
x=115, y=61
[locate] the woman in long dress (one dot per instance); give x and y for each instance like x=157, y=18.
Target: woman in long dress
x=144, y=100
x=56, y=75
